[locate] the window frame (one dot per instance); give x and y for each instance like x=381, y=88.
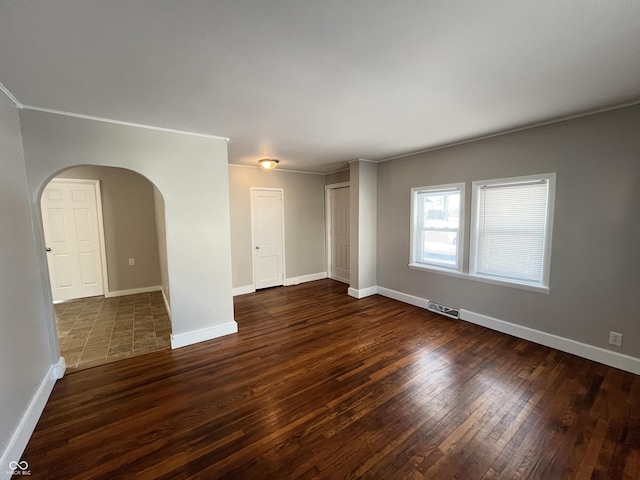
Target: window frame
x=543, y=286
x=415, y=228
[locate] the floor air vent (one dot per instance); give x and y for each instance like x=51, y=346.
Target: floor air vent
x=444, y=310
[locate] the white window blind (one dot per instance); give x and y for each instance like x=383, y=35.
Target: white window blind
x=511, y=231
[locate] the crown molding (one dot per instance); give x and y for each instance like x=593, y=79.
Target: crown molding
x=19, y=105
x=120, y=122
x=338, y=171
x=363, y=160
x=276, y=169
x=513, y=130
x=10, y=96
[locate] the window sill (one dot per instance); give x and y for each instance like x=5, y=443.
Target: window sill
x=479, y=278
x=434, y=269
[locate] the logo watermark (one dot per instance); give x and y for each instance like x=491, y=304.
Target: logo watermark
x=19, y=468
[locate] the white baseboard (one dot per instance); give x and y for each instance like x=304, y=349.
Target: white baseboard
x=364, y=292
x=243, y=290
x=166, y=303
x=403, y=297
x=196, y=336
x=59, y=368
x=22, y=434
x=132, y=291
x=341, y=280
x=287, y=283
x=590, y=352
x=305, y=278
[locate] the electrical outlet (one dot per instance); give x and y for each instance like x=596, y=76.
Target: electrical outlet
x=615, y=338
x=132, y=262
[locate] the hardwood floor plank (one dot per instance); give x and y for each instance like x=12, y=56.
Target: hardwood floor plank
x=317, y=384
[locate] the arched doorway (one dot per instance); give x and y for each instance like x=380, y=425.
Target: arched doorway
x=130, y=316
x=192, y=173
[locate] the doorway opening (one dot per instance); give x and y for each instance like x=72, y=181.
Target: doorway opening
x=74, y=238
x=267, y=234
x=337, y=200
x=107, y=264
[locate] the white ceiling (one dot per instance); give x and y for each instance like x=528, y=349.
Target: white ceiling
x=316, y=83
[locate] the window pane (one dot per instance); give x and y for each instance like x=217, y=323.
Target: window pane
x=440, y=247
x=439, y=223
x=511, y=231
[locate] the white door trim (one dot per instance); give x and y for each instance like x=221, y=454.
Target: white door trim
x=103, y=255
x=327, y=211
x=253, y=240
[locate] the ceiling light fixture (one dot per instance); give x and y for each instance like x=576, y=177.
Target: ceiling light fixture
x=269, y=163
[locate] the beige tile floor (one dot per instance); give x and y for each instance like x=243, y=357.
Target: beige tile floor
x=97, y=330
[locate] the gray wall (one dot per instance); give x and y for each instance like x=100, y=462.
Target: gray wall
x=25, y=335
x=337, y=177
x=191, y=173
x=129, y=225
x=161, y=234
x=594, y=277
x=303, y=221
x=363, y=227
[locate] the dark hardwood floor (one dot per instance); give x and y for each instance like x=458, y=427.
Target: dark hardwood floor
x=319, y=385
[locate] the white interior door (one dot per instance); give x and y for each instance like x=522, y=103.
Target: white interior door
x=340, y=217
x=267, y=235
x=71, y=233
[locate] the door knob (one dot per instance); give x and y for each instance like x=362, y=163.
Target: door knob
x=257, y=248
x=48, y=249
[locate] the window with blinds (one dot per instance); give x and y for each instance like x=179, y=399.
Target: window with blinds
x=436, y=227
x=511, y=229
